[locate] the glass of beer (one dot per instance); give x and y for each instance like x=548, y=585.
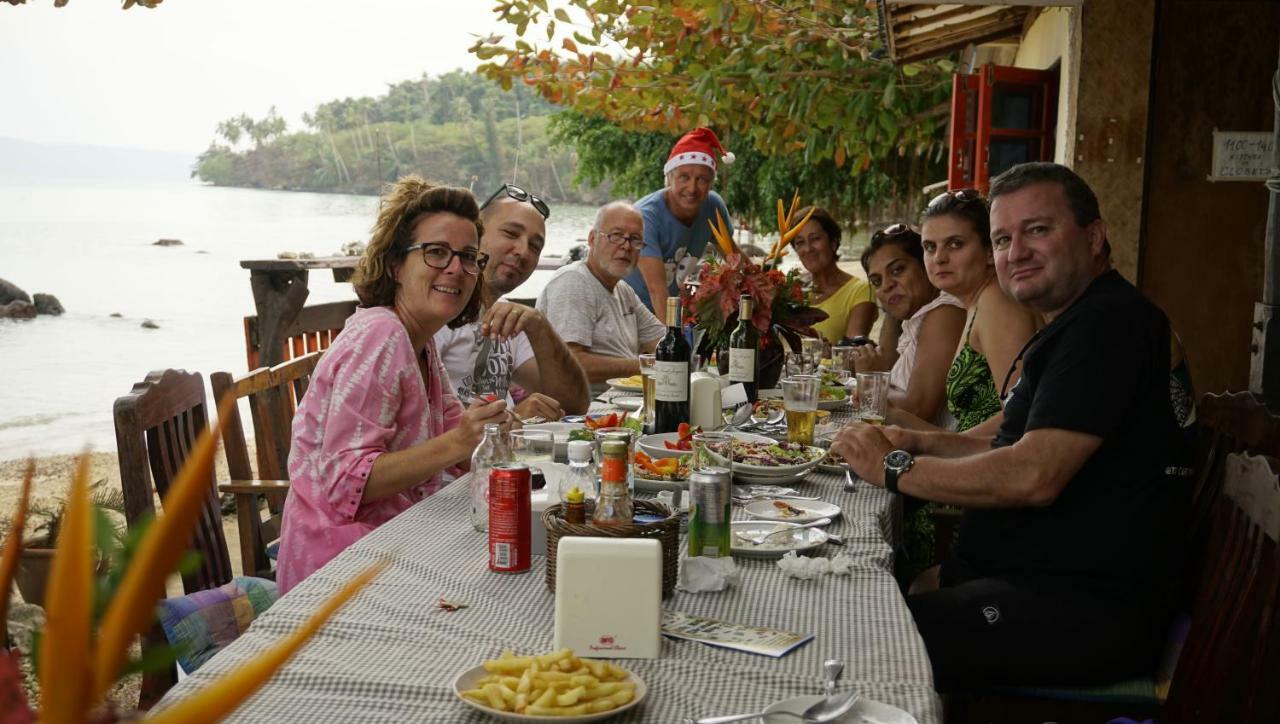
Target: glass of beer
x=800, y=401
x=647, y=364
x=842, y=363
x=873, y=397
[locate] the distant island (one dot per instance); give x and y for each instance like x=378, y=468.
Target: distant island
x=457, y=128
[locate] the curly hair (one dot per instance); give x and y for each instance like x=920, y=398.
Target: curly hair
x=406, y=202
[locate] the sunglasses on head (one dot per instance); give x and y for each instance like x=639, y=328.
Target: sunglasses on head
x=890, y=232
x=519, y=194
x=950, y=199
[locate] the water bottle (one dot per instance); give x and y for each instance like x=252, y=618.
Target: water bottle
x=492, y=449
x=578, y=484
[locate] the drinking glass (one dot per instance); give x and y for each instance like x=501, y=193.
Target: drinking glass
x=873, y=397
x=800, y=401
x=533, y=446
x=842, y=362
x=797, y=363
x=712, y=450
x=647, y=366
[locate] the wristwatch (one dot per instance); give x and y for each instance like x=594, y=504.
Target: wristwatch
x=896, y=464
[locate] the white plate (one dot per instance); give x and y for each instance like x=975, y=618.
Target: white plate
x=652, y=444
x=864, y=711
x=627, y=403
x=777, y=547
x=621, y=383
x=748, y=479
x=833, y=404
x=760, y=471
x=466, y=680
x=814, y=509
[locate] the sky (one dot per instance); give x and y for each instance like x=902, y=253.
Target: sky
x=91, y=73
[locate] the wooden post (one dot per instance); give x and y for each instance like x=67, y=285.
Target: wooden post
x=278, y=297
x=1264, y=360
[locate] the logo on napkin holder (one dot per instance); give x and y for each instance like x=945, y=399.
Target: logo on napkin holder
x=607, y=644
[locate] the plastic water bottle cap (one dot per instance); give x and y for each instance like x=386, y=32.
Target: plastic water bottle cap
x=580, y=451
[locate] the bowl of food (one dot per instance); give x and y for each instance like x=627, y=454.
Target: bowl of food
x=773, y=459
x=550, y=687
x=675, y=444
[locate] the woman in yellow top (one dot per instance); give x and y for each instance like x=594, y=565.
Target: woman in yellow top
x=849, y=302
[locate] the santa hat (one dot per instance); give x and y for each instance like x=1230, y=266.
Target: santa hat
x=697, y=146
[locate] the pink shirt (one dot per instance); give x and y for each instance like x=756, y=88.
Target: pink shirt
x=366, y=397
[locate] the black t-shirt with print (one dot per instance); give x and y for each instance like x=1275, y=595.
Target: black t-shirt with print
x=1101, y=368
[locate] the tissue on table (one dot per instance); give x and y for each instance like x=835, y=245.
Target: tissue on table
x=806, y=568
x=703, y=573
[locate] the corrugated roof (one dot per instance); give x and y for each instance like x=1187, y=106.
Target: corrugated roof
x=917, y=30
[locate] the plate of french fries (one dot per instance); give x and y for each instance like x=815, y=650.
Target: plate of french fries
x=558, y=686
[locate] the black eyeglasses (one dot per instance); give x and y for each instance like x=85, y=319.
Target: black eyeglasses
x=439, y=256
x=948, y=200
x=890, y=232
x=519, y=194
x=617, y=238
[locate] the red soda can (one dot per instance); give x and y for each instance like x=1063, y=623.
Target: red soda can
x=510, y=524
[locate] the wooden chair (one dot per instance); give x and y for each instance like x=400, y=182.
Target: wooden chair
x=273, y=395
x=314, y=329
x=157, y=424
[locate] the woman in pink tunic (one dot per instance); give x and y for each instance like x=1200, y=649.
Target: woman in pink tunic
x=378, y=423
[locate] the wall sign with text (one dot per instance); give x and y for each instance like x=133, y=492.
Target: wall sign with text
x=1242, y=155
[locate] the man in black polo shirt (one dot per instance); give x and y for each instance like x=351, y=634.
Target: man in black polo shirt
x=1062, y=568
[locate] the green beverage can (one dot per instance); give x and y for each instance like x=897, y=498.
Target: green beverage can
x=710, y=505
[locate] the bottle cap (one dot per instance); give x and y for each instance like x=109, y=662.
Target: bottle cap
x=579, y=451
x=492, y=428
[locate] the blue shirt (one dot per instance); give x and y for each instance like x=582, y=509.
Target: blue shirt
x=679, y=247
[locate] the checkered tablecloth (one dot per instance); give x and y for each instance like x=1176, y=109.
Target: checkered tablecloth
x=392, y=655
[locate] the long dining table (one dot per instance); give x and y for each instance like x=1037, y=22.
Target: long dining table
x=391, y=654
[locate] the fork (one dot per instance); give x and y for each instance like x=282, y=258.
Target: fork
x=762, y=537
x=849, y=485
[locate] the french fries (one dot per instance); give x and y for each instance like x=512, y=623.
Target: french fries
x=554, y=684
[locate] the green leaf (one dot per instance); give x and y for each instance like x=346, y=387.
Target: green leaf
x=561, y=15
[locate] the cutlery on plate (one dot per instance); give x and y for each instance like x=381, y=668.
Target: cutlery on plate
x=760, y=538
x=827, y=710
x=831, y=671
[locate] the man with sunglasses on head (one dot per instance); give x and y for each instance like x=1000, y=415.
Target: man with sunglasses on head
x=512, y=343
x=603, y=321
x=675, y=218
x=1068, y=553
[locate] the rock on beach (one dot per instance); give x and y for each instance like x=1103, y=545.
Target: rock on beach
x=168, y=242
x=10, y=292
x=18, y=309
x=48, y=304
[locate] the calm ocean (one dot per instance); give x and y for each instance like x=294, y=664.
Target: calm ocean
x=91, y=244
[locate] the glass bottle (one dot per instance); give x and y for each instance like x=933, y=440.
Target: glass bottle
x=614, y=507
x=671, y=370
x=492, y=449
x=743, y=344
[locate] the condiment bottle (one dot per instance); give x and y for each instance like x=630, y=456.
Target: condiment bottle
x=575, y=506
x=578, y=484
x=614, y=506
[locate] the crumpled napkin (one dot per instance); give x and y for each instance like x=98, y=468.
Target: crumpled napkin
x=806, y=568
x=702, y=573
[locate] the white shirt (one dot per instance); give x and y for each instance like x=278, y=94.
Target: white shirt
x=900, y=375
x=460, y=350
x=583, y=312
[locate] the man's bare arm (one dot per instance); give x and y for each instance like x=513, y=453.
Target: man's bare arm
x=555, y=371
x=601, y=367
x=654, y=273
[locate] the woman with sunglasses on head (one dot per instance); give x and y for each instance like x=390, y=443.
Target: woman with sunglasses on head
x=847, y=300
x=379, y=423
x=955, y=231
x=930, y=324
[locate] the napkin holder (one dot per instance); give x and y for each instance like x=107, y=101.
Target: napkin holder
x=609, y=597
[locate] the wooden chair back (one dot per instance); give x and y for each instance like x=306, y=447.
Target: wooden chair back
x=1233, y=646
x=272, y=395
x=314, y=330
x=157, y=424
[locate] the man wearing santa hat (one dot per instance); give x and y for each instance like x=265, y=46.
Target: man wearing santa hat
x=675, y=218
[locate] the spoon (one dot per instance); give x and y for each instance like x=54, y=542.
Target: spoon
x=827, y=710
x=831, y=671
x=741, y=414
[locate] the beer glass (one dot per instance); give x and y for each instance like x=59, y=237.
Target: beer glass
x=873, y=397
x=647, y=365
x=842, y=362
x=800, y=401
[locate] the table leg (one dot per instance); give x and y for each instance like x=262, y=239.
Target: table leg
x=278, y=297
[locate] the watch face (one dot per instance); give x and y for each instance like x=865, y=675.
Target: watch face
x=897, y=459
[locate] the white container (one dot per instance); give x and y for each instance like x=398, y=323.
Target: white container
x=609, y=597
x=704, y=401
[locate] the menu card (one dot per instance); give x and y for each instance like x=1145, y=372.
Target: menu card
x=752, y=639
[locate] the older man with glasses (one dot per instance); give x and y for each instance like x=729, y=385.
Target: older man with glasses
x=603, y=321
x=512, y=343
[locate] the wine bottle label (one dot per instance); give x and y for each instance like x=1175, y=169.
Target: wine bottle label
x=742, y=365
x=671, y=381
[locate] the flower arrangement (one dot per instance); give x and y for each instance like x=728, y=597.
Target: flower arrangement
x=780, y=307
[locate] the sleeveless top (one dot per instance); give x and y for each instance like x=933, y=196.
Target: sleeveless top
x=971, y=391
x=838, y=305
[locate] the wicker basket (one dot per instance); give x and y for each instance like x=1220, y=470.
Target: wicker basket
x=666, y=532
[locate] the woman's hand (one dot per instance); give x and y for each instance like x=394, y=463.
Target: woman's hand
x=470, y=427
x=868, y=358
